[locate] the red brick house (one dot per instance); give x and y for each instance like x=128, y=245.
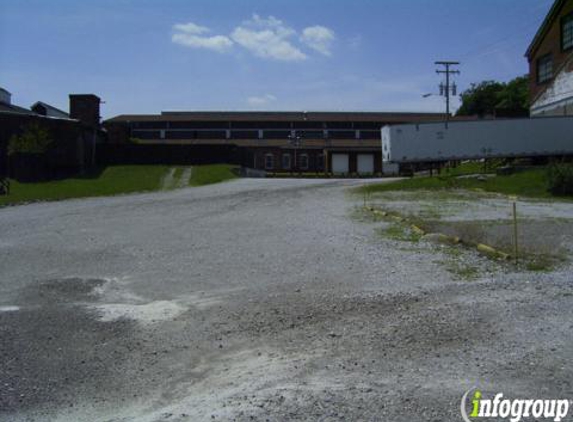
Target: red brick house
x=550, y=57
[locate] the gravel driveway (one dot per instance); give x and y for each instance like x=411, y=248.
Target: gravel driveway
x=259, y=300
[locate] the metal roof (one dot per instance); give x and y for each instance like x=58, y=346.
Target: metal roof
x=11, y=108
x=273, y=116
x=48, y=106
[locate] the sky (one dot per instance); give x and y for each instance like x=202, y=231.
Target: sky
x=148, y=56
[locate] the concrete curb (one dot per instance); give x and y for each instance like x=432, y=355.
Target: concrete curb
x=444, y=238
x=417, y=230
x=489, y=250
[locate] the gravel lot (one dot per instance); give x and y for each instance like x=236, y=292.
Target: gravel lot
x=260, y=300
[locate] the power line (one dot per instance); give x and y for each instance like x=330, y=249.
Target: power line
x=491, y=47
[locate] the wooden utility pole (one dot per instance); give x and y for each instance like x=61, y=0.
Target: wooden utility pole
x=449, y=88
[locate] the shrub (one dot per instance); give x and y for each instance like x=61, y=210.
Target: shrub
x=560, y=179
x=33, y=140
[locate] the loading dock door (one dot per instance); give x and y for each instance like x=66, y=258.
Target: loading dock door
x=365, y=163
x=340, y=163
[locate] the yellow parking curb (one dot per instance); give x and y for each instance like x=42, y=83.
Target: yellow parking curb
x=488, y=250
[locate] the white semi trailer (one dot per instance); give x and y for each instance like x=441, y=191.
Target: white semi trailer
x=469, y=140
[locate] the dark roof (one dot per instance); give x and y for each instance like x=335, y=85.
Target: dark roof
x=5, y=90
x=273, y=116
x=11, y=108
x=61, y=113
x=551, y=15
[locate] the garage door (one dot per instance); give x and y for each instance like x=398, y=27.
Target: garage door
x=340, y=163
x=365, y=163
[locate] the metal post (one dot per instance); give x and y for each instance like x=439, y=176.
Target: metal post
x=516, y=250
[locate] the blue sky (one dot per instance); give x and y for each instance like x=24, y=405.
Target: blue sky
x=143, y=56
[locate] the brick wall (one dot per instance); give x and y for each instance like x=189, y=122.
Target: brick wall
x=551, y=43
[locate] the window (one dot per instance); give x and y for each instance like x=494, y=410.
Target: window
x=369, y=134
x=276, y=134
x=544, y=68
x=339, y=125
x=567, y=32
x=269, y=161
x=146, y=134
x=303, y=161
x=286, y=161
x=310, y=134
x=181, y=134
x=244, y=134
x=342, y=134
x=211, y=134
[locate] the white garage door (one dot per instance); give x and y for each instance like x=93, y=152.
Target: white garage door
x=365, y=163
x=340, y=163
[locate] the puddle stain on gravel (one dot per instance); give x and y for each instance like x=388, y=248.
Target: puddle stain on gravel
x=156, y=311
x=54, y=349
x=9, y=308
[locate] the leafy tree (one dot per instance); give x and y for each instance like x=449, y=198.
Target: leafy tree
x=496, y=98
x=33, y=140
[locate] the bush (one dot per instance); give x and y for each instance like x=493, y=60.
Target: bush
x=560, y=179
x=33, y=140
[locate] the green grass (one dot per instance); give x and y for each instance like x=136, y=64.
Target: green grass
x=215, y=173
x=112, y=180
x=473, y=167
x=399, y=232
x=532, y=183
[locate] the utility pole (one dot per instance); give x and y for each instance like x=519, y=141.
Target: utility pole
x=448, y=88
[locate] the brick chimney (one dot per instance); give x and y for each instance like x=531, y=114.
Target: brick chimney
x=85, y=108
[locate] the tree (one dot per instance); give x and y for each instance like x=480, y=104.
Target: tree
x=496, y=98
x=33, y=140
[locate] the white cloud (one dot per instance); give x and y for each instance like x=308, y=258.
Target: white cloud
x=189, y=35
x=262, y=100
x=268, y=38
x=190, y=28
x=319, y=38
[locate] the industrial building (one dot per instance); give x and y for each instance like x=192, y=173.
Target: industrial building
x=275, y=142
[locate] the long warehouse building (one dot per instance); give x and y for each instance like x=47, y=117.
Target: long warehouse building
x=333, y=142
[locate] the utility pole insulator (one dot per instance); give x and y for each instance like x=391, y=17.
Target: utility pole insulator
x=448, y=88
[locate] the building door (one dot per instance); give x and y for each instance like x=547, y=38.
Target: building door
x=340, y=163
x=365, y=163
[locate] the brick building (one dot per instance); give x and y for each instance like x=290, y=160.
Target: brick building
x=333, y=142
x=73, y=137
x=550, y=57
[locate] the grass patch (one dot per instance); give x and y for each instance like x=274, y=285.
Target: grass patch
x=473, y=167
x=112, y=180
x=399, y=232
x=531, y=183
x=533, y=255
x=542, y=262
x=109, y=181
x=214, y=173
x=461, y=271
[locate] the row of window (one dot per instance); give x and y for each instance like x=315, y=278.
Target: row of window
x=222, y=125
x=254, y=134
x=545, y=63
x=286, y=163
